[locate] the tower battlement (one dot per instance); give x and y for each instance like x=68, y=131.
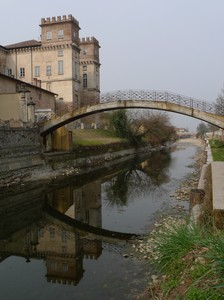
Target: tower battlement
x=58, y=19
x=86, y=40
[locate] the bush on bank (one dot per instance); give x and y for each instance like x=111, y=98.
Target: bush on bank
x=191, y=262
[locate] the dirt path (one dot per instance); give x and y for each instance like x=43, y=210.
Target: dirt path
x=194, y=141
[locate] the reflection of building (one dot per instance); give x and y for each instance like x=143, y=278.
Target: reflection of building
x=57, y=243
x=62, y=251
x=83, y=204
x=87, y=204
x=92, y=249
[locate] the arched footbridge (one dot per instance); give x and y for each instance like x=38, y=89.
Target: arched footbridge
x=158, y=100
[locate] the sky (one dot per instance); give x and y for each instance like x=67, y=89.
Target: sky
x=168, y=45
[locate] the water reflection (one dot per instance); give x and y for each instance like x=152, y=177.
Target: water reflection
x=63, y=226
x=138, y=177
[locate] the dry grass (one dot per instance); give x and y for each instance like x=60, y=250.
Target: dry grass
x=90, y=137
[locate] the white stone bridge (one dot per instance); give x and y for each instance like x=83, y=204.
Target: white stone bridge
x=135, y=99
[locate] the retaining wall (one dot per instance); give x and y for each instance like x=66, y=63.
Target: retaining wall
x=200, y=198
x=19, y=148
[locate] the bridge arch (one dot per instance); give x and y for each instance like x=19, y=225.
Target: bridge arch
x=142, y=100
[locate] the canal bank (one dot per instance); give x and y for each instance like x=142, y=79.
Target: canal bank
x=187, y=251
x=59, y=165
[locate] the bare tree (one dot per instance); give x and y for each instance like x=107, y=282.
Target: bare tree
x=202, y=128
x=219, y=102
x=154, y=128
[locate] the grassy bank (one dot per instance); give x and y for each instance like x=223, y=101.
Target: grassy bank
x=217, y=148
x=94, y=137
x=87, y=142
x=190, y=260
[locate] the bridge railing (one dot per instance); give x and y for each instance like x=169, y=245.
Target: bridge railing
x=162, y=96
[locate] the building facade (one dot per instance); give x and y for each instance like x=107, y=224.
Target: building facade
x=60, y=62
x=19, y=100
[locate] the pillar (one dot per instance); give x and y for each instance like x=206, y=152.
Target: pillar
x=31, y=111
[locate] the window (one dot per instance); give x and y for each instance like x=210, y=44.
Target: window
x=87, y=216
x=60, y=67
x=53, y=265
x=65, y=267
x=84, y=68
x=60, y=34
x=76, y=69
x=48, y=86
x=52, y=232
x=60, y=52
x=22, y=72
x=84, y=51
x=64, y=236
x=49, y=35
x=63, y=249
x=9, y=72
x=77, y=105
x=97, y=77
x=37, y=71
x=48, y=70
x=84, y=81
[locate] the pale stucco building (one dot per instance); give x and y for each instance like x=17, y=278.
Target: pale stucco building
x=19, y=100
x=60, y=63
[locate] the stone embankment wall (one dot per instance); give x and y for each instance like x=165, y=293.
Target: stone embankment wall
x=200, y=198
x=56, y=161
x=19, y=148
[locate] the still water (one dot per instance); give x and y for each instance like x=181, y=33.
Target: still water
x=50, y=247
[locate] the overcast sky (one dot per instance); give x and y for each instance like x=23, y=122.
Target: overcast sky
x=172, y=45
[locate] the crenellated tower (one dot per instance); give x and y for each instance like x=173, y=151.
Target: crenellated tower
x=60, y=37
x=89, y=71
x=59, y=30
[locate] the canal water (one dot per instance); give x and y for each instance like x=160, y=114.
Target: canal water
x=67, y=240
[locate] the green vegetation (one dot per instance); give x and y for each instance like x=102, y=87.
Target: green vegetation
x=192, y=259
x=217, y=147
x=176, y=242
x=94, y=137
x=120, y=125
x=150, y=129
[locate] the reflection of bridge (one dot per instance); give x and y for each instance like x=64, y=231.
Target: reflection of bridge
x=158, y=100
x=84, y=228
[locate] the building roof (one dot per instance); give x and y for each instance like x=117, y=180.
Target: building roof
x=23, y=82
x=2, y=48
x=24, y=44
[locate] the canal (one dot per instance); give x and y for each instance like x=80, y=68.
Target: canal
x=69, y=239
